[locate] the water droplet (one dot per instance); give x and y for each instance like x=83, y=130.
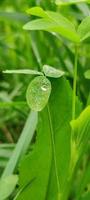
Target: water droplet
x=44, y=88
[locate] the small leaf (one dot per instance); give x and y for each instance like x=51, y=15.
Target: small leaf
x=68, y=2
x=23, y=71
x=84, y=28
x=87, y=74
x=37, y=11
x=38, y=93
x=52, y=72
x=7, y=186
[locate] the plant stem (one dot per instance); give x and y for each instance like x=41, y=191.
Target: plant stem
x=74, y=84
x=73, y=144
x=54, y=152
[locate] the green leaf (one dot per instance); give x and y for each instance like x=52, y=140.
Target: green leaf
x=22, y=144
x=38, y=93
x=69, y=2
x=84, y=29
x=37, y=170
x=7, y=186
x=52, y=22
x=87, y=74
x=23, y=71
x=52, y=72
x=37, y=11
x=81, y=128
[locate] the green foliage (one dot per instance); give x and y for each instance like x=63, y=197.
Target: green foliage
x=22, y=145
x=52, y=22
x=52, y=72
x=34, y=174
x=7, y=186
x=81, y=129
x=23, y=71
x=84, y=29
x=55, y=22
x=50, y=156
x=38, y=168
x=38, y=93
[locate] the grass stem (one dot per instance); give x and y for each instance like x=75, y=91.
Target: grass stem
x=74, y=84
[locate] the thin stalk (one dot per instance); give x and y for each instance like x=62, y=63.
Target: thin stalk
x=74, y=84
x=54, y=152
x=73, y=144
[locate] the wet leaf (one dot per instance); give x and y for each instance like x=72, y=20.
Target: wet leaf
x=38, y=93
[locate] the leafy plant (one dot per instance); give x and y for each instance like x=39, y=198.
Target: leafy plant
x=62, y=126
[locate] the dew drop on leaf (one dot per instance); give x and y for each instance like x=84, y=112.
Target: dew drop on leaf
x=38, y=93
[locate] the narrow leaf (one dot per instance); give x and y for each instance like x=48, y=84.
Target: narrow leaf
x=22, y=71
x=38, y=93
x=52, y=72
x=23, y=143
x=84, y=29
x=81, y=128
x=7, y=186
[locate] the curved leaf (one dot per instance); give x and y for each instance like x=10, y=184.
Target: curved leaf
x=84, y=29
x=52, y=22
x=81, y=128
x=37, y=11
x=37, y=170
x=52, y=72
x=7, y=186
x=38, y=93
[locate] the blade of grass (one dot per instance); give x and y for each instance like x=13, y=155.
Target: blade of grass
x=22, y=71
x=23, y=143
